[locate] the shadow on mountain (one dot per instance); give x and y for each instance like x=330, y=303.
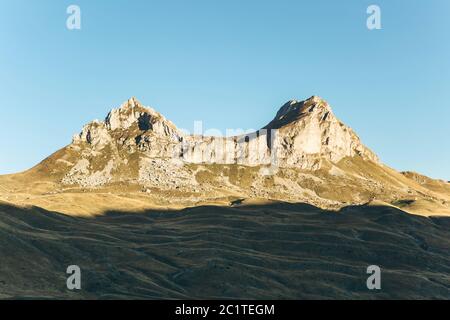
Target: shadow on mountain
x=274, y=251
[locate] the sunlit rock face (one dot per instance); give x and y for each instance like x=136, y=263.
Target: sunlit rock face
x=302, y=135
x=308, y=132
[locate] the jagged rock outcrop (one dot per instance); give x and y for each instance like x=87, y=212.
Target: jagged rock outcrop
x=130, y=125
x=308, y=132
x=302, y=135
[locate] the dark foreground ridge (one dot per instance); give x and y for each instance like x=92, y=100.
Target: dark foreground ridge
x=278, y=251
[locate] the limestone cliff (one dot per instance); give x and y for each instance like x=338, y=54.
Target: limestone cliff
x=301, y=135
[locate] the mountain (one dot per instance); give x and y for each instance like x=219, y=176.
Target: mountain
x=307, y=133
x=297, y=210
x=138, y=159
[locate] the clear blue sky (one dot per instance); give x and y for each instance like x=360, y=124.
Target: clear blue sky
x=231, y=64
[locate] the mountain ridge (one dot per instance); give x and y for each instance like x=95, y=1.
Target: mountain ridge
x=136, y=158
x=308, y=127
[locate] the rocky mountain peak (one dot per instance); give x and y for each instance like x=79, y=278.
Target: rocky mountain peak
x=310, y=131
x=294, y=110
x=131, y=103
x=129, y=122
x=132, y=112
x=303, y=134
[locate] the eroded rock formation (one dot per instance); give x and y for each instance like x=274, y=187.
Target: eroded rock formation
x=302, y=135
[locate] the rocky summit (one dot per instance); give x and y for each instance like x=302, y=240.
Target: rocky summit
x=305, y=154
x=302, y=135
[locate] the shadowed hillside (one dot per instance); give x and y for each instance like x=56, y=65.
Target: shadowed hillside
x=287, y=251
